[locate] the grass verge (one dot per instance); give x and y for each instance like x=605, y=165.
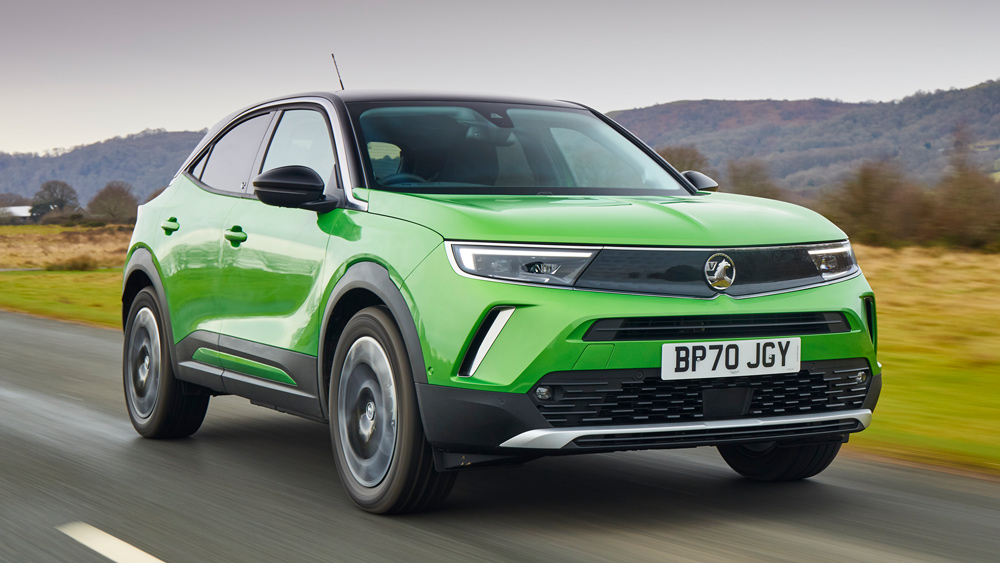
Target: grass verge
x=938, y=334
x=86, y=297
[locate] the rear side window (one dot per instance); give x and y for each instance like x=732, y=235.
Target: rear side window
x=302, y=138
x=229, y=163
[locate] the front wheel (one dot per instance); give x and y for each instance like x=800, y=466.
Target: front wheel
x=382, y=457
x=156, y=401
x=769, y=462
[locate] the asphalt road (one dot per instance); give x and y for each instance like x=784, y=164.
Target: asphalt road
x=255, y=485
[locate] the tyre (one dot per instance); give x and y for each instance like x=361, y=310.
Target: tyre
x=382, y=457
x=156, y=401
x=768, y=462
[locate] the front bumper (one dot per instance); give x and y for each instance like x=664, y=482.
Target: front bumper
x=492, y=423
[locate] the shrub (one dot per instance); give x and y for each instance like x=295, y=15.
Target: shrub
x=83, y=263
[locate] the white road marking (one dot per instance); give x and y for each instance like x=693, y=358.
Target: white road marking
x=106, y=544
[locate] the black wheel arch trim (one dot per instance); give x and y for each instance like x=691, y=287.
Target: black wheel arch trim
x=142, y=260
x=374, y=278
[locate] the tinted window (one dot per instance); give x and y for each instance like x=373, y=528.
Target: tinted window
x=232, y=156
x=302, y=138
x=478, y=147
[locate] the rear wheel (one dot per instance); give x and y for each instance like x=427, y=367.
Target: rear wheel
x=156, y=401
x=382, y=456
x=768, y=462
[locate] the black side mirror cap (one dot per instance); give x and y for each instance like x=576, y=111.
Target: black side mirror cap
x=701, y=182
x=293, y=186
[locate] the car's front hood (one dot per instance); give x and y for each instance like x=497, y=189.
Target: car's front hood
x=703, y=220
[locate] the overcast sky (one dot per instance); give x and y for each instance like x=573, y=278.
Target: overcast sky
x=78, y=72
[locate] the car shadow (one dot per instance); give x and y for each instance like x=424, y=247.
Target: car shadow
x=631, y=488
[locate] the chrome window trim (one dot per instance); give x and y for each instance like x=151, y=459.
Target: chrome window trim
x=454, y=266
x=558, y=438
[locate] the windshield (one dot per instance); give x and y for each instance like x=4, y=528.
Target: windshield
x=470, y=148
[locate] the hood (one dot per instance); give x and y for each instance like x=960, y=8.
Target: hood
x=706, y=219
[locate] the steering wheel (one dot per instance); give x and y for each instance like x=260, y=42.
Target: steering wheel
x=401, y=178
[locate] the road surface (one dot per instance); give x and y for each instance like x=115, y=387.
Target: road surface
x=256, y=485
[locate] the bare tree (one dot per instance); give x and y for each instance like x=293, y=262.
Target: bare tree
x=56, y=195
x=878, y=204
x=967, y=206
x=115, y=202
x=751, y=177
x=13, y=200
x=686, y=157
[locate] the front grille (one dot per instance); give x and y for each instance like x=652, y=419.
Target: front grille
x=709, y=436
x=681, y=272
x=716, y=326
x=610, y=397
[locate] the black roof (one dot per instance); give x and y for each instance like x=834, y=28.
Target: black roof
x=431, y=96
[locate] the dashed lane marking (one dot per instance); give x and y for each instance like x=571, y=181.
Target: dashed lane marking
x=106, y=544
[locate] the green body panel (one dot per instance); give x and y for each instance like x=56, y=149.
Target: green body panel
x=190, y=257
x=706, y=219
x=545, y=332
x=272, y=283
x=241, y=365
x=273, y=287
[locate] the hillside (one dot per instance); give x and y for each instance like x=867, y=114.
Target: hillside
x=147, y=160
x=813, y=143
x=807, y=144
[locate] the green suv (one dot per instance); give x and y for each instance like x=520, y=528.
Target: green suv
x=456, y=281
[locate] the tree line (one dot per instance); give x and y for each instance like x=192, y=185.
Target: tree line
x=879, y=203
x=58, y=202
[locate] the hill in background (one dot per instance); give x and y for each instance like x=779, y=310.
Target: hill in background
x=147, y=160
x=810, y=144
x=806, y=144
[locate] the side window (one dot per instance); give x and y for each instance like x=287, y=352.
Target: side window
x=302, y=138
x=199, y=166
x=232, y=156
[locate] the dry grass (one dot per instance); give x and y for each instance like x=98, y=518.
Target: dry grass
x=939, y=343
x=44, y=246
x=939, y=333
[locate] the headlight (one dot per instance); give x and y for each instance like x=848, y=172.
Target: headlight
x=551, y=265
x=834, y=260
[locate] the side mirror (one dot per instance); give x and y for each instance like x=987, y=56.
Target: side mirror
x=701, y=182
x=293, y=186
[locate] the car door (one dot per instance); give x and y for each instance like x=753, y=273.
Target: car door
x=274, y=277
x=190, y=244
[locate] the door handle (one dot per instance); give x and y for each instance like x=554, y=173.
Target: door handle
x=170, y=225
x=235, y=235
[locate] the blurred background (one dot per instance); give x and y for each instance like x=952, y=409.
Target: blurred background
x=882, y=115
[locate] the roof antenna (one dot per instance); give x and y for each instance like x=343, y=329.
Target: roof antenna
x=338, y=71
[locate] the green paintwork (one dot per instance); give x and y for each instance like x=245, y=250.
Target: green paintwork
x=706, y=219
x=273, y=286
x=235, y=267
x=545, y=333
x=241, y=365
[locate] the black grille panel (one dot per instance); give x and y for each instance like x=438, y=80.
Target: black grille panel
x=611, y=397
x=708, y=436
x=716, y=326
x=682, y=272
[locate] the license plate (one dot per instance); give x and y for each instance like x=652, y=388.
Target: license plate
x=730, y=359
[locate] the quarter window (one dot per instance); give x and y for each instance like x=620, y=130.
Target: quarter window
x=301, y=139
x=232, y=156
